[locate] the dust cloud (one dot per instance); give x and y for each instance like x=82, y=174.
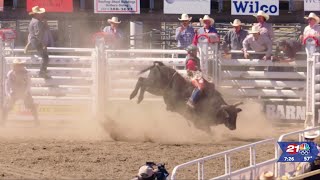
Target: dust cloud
x=151, y=122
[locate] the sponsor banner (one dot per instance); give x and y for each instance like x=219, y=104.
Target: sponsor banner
x=51, y=6
x=245, y=7
x=117, y=6
x=55, y=110
x=1, y=5
x=186, y=6
x=291, y=111
x=311, y=5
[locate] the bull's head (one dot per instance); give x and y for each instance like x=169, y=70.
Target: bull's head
x=228, y=114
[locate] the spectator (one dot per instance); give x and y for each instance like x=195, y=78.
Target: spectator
x=184, y=33
x=116, y=33
x=264, y=27
x=268, y=175
x=234, y=38
x=258, y=43
x=208, y=27
x=305, y=167
x=17, y=86
x=35, y=38
x=312, y=30
x=289, y=48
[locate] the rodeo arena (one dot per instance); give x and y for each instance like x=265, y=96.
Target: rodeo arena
x=152, y=89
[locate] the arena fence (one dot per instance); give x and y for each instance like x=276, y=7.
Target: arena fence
x=249, y=172
x=254, y=169
x=71, y=93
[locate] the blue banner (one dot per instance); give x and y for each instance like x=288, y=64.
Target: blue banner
x=298, y=151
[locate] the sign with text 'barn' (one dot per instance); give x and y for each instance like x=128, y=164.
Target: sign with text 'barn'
x=51, y=6
x=186, y=6
x=311, y=5
x=245, y=7
x=117, y=6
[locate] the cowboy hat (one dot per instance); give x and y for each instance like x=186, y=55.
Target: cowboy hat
x=254, y=30
x=206, y=17
x=37, y=10
x=313, y=16
x=114, y=20
x=145, y=172
x=18, y=62
x=236, y=22
x=185, y=17
x=268, y=175
x=263, y=14
x=311, y=135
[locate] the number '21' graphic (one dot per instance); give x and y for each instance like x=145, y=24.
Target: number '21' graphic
x=292, y=149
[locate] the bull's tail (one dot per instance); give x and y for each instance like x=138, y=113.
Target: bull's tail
x=155, y=63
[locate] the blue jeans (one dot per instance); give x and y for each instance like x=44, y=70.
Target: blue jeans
x=195, y=95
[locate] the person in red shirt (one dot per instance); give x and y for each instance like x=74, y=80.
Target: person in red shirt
x=194, y=72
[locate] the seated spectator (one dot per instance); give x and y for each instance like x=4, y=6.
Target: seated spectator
x=258, y=43
x=264, y=27
x=268, y=175
x=234, y=38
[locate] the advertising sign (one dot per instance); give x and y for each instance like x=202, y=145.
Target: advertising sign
x=186, y=6
x=245, y=7
x=117, y=6
x=1, y=5
x=311, y=5
x=51, y=6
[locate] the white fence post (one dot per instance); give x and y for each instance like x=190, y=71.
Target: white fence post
x=2, y=77
x=100, y=65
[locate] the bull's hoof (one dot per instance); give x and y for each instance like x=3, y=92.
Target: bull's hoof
x=131, y=96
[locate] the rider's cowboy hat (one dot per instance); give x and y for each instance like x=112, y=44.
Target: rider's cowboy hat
x=263, y=14
x=114, y=20
x=18, y=62
x=185, y=17
x=268, y=175
x=206, y=17
x=37, y=10
x=313, y=16
x=236, y=22
x=254, y=30
x=145, y=172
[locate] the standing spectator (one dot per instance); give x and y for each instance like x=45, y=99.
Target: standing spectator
x=289, y=48
x=116, y=33
x=312, y=30
x=184, y=33
x=234, y=38
x=17, y=86
x=207, y=27
x=264, y=27
x=35, y=38
x=258, y=43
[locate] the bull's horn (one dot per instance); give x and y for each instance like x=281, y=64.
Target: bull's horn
x=237, y=104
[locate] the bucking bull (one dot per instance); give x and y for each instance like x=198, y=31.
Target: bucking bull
x=175, y=89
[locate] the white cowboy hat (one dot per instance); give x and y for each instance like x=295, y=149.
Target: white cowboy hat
x=313, y=16
x=268, y=175
x=263, y=14
x=114, y=20
x=254, y=30
x=185, y=17
x=311, y=135
x=236, y=22
x=145, y=171
x=18, y=61
x=37, y=10
x=206, y=17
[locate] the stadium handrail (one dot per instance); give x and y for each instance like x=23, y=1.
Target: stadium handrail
x=305, y=175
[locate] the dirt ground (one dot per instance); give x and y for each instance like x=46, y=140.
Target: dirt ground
x=131, y=135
